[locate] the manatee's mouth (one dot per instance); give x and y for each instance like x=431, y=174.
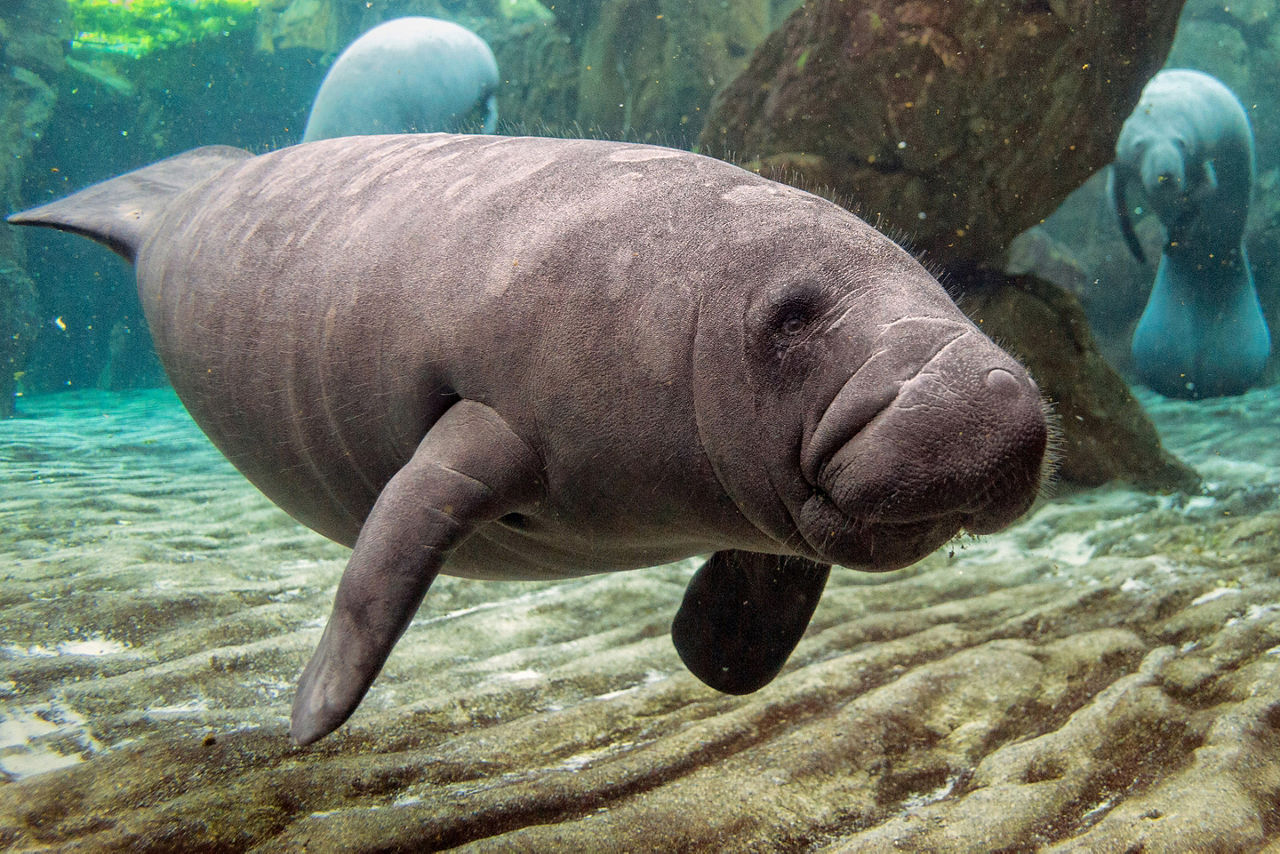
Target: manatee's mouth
x=897, y=468
x=868, y=543
x=864, y=541
x=861, y=539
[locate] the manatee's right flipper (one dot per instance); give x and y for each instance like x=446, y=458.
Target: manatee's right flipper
x=1118, y=181
x=117, y=212
x=1206, y=184
x=743, y=615
x=470, y=468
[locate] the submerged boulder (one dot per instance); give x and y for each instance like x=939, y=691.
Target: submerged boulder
x=961, y=124
x=651, y=66
x=31, y=36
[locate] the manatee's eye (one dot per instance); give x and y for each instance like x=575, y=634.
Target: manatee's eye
x=792, y=325
x=792, y=318
x=783, y=335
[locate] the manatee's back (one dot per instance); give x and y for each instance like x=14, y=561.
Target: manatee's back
x=287, y=303
x=318, y=307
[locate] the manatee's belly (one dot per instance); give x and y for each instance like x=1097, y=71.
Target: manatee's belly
x=500, y=551
x=322, y=461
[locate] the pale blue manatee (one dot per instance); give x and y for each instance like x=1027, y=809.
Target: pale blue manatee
x=407, y=75
x=1189, y=146
x=502, y=357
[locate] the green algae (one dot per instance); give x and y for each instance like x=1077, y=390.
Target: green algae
x=138, y=27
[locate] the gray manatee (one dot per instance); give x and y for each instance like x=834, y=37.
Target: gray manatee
x=538, y=358
x=407, y=75
x=1189, y=147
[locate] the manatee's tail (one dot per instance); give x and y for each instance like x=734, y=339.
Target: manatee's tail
x=1118, y=182
x=117, y=213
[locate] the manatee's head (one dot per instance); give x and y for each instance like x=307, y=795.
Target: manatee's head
x=851, y=411
x=1163, y=170
x=1156, y=154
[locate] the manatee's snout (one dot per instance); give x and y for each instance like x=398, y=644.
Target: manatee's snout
x=965, y=437
x=1164, y=178
x=956, y=441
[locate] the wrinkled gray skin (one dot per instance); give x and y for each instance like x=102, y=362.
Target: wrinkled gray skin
x=537, y=358
x=407, y=75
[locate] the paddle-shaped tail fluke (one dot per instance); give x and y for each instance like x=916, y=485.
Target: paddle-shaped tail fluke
x=118, y=212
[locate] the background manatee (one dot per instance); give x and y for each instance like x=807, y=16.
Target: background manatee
x=407, y=75
x=536, y=358
x=1189, y=147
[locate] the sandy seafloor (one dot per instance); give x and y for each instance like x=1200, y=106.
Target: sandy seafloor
x=1104, y=676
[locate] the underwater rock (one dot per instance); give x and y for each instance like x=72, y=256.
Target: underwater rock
x=539, y=90
x=960, y=124
x=130, y=357
x=650, y=67
x=32, y=33
x=19, y=321
x=1036, y=251
x=314, y=24
x=1100, y=676
x=1105, y=434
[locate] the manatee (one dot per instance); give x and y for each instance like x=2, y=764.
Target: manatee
x=506, y=358
x=407, y=75
x=1189, y=147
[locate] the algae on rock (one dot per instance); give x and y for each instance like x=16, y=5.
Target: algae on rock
x=959, y=124
x=650, y=67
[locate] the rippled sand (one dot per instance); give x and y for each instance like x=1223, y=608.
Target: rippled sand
x=1105, y=673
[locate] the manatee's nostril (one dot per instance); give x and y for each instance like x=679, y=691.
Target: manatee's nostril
x=1002, y=382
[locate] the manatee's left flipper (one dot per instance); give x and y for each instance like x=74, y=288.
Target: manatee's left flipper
x=470, y=468
x=1118, y=183
x=742, y=616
